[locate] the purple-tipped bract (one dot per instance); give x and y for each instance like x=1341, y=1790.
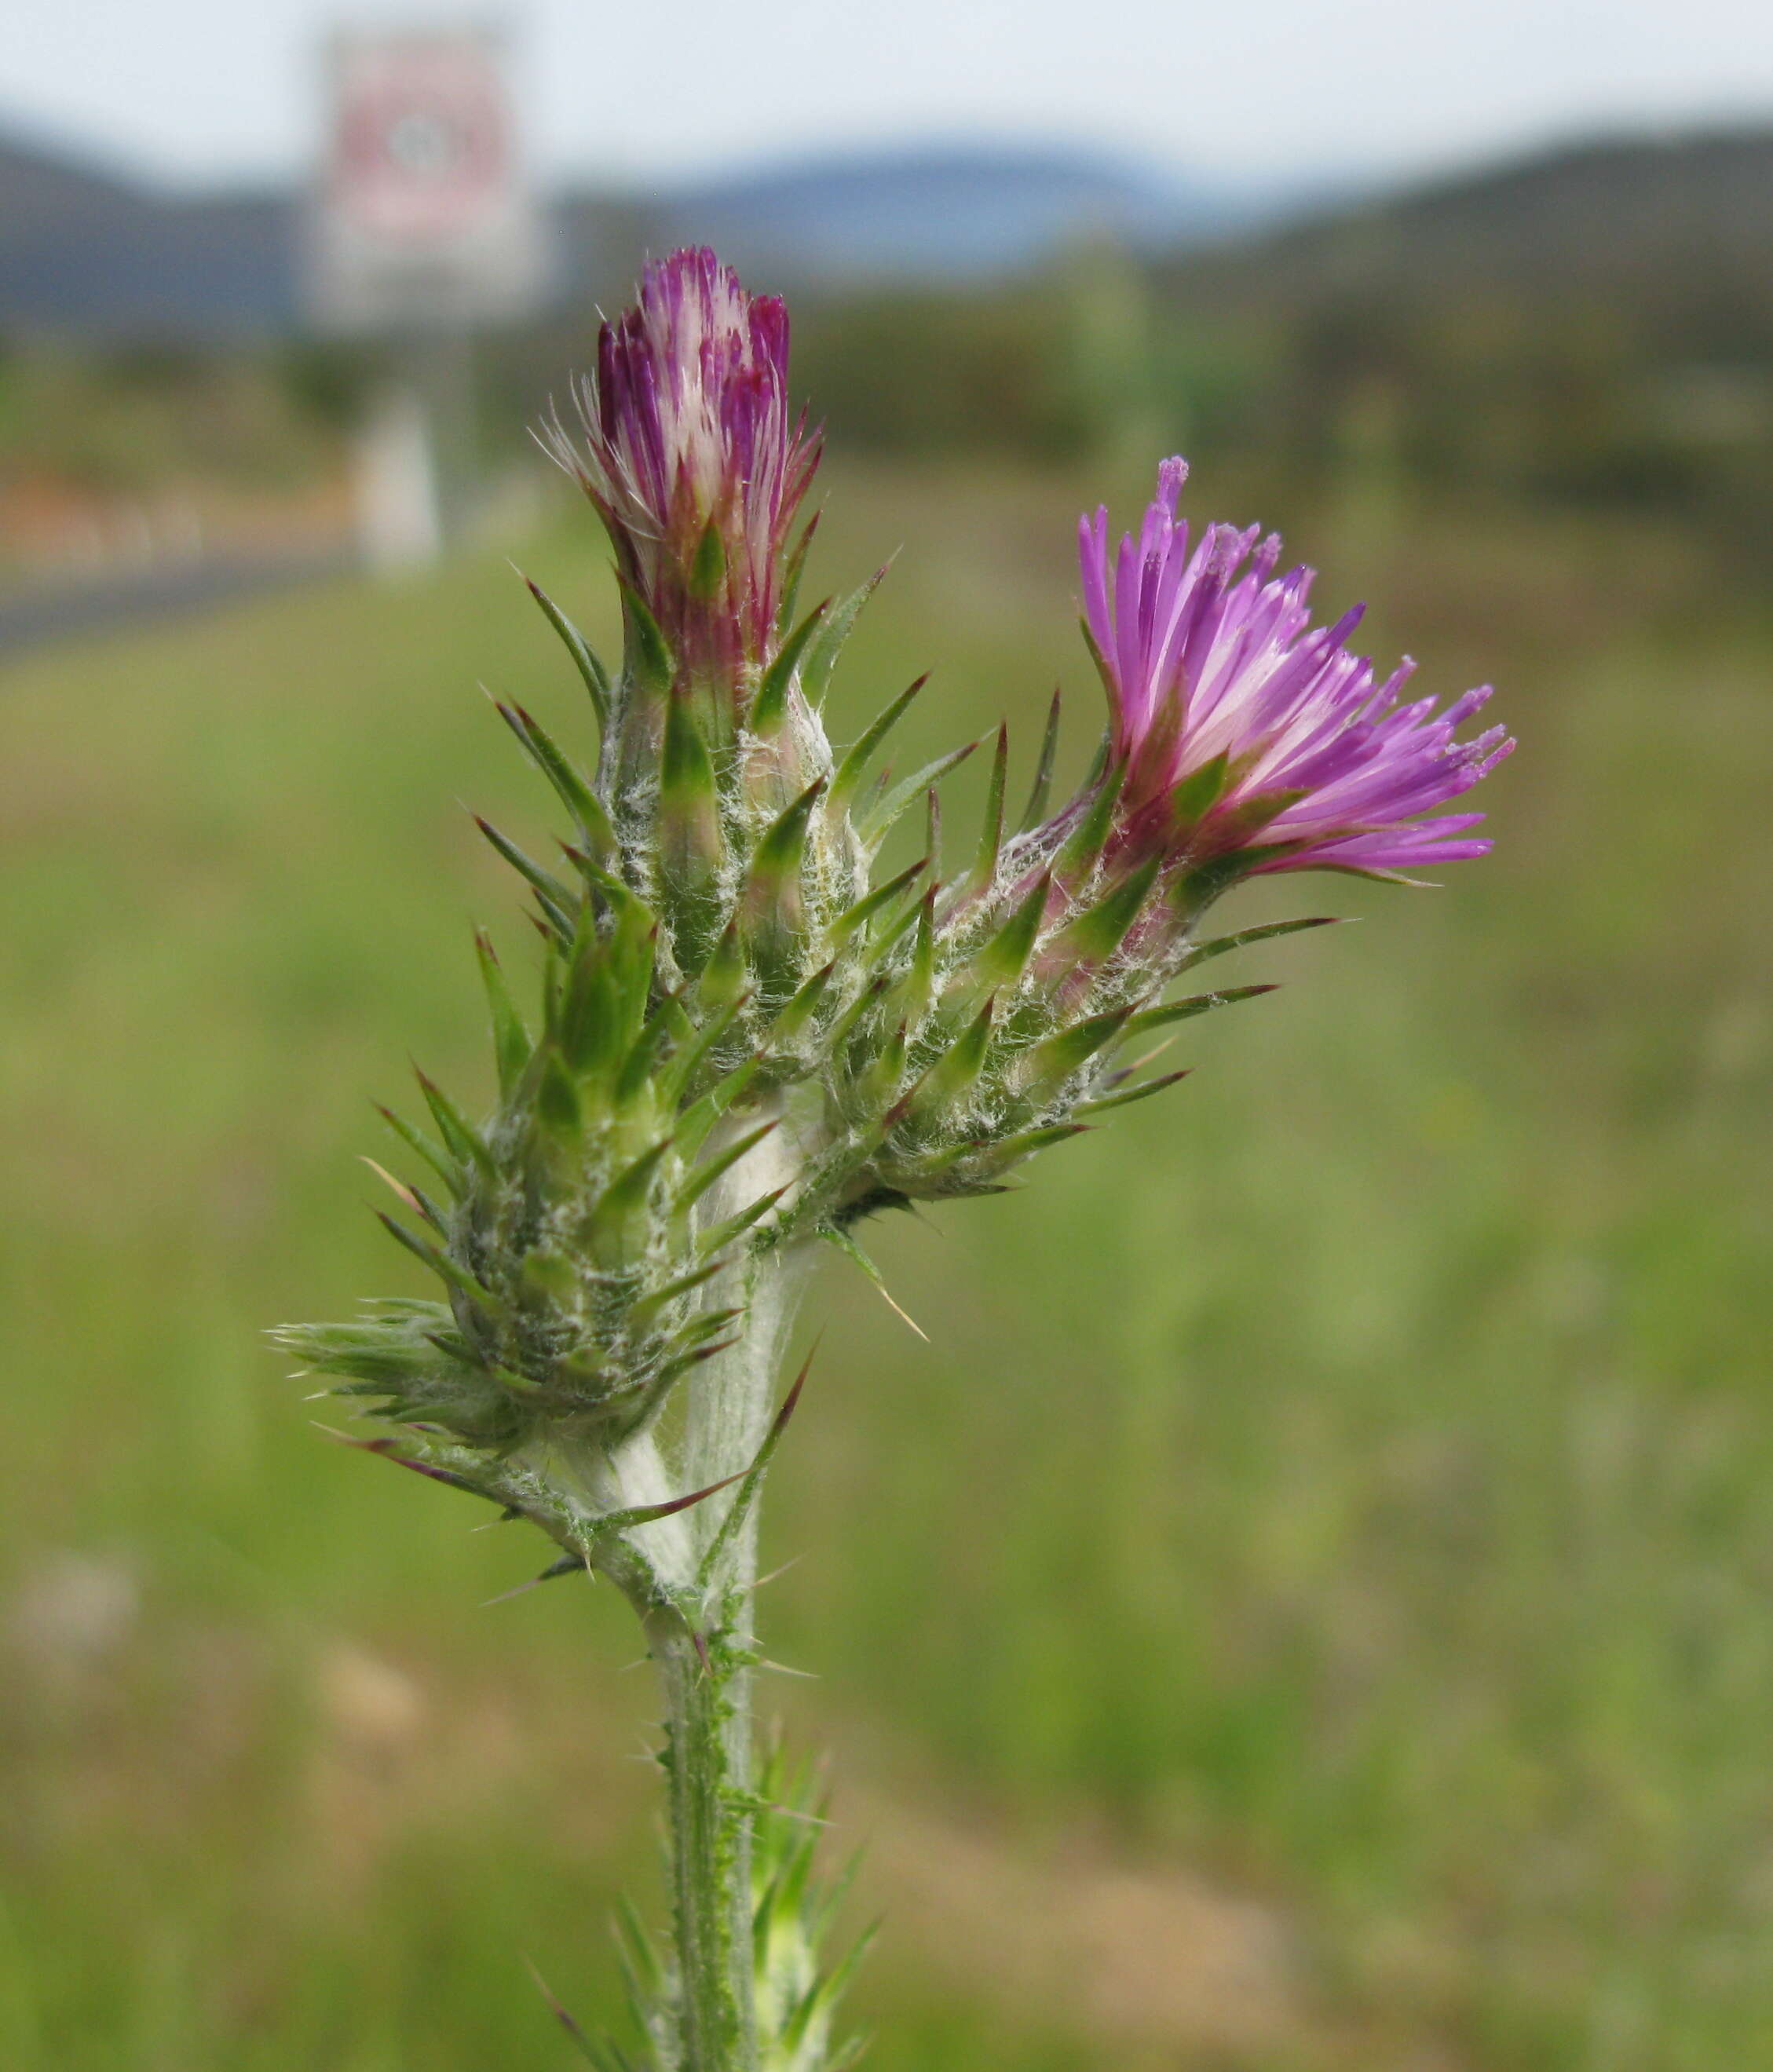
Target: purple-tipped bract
x=692, y=458
x=1238, y=724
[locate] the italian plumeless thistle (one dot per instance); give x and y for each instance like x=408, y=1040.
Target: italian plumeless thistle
x=749, y=1037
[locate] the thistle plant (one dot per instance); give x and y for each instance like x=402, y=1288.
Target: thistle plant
x=750, y=1036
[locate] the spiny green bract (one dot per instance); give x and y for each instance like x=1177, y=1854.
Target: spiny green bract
x=717, y=964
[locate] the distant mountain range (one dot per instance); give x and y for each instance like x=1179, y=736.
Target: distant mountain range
x=949, y=212
x=91, y=251
x=1636, y=220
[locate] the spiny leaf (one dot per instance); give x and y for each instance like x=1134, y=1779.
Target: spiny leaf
x=844, y=1241
x=385, y=1449
x=792, y=571
x=852, y=917
x=708, y=564
x=695, y=1120
x=595, y=677
x=706, y=1175
x=1009, y=1151
x=1221, y=945
x=557, y=1098
x=754, y=1476
x=984, y=867
x=1036, y=808
x=778, y=855
x=772, y=701
x=882, y=817
x=1005, y=957
x=1094, y=936
x=1084, y=845
x=556, y=901
x=680, y=1075
x=445, y=1167
x=438, y=1259
x=686, y=773
x=641, y=1316
x=1201, y=789
x=722, y=1235
x=1127, y=1095
x=1198, y=1003
x=1050, y=1063
x=628, y=1189
x=511, y=1043
x=954, y=1072
x=580, y=2041
x=649, y=657
x=557, y=766
x=465, y=1142
x=853, y=766
x=794, y=1018
x=834, y=629
x=1197, y=888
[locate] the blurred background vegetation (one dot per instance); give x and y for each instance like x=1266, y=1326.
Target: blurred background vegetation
x=1310, y=1605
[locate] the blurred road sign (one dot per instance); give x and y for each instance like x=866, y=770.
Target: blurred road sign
x=423, y=220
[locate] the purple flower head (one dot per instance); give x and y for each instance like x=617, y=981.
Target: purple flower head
x=1237, y=724
x=692, y=458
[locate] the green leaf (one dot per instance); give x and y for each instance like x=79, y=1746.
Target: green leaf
x=596, y=677
x=835, y=629
x=464, y=1141
x=881, y=817
x=557, y=1099
x=794, y=1016
x=1004, y=959
x=1127, y=1095
x=1201, y=789
x=556, y=900
x=953, y=1073
x=852, y=918
x=680, y=1074
x=446, y=1169
x=510, y=1044
x=984, y=867
x=706, y=1175
x=853, y=766
x=628, y=1191
x=722, y=1235
x=650, y=662
x=695, y=1120
x=1049, y=1064
x=686, y=771
x=1184, y=1010
x=792, y=571
x=1036, y=810
x=1221, y=945
x=574, y=792
x=771, y=703
x=778, y=855
x=1083, y=849
x=438, y=1260
x=741, y=1505
x=1094, y=936
x=708, y=565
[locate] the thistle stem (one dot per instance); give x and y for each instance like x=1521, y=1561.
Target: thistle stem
x=707, y=1672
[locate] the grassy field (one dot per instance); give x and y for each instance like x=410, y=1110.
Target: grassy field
x=1310, y=1608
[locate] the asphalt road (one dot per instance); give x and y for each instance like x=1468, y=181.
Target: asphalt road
x=38, y=618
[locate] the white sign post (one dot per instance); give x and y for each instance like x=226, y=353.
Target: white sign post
x=423, y=228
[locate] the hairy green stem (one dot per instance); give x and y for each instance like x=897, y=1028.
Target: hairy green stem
x=707, y=1672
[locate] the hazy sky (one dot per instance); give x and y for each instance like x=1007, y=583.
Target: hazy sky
x=197, y=89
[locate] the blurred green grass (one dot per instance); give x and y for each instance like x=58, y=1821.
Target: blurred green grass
x=1348, y=1481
